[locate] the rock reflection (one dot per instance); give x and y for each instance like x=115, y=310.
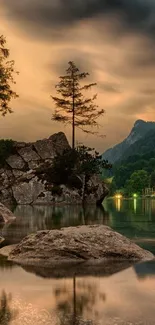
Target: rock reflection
x=5, y=264
x=33, y=218
x=145, y=270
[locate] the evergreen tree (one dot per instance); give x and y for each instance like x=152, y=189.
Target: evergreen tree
x=152, y=179
x=6, y=78
x=138, y=181
x=73, y=107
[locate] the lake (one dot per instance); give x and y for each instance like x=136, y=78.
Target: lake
x=124, y=298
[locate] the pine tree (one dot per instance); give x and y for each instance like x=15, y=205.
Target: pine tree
x=73, y=107
x=6, y=78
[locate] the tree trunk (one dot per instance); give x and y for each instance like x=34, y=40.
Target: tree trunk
x=73, y=121
x=83, y=187
x=73, y=129
x=74, y=300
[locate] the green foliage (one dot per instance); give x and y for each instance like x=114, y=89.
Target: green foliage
x=152, y=179
x=6, y=78
x=78, y=161
x=72, y=107
x=6, y=149
x=56, y=190
x=89, y=161
x=137, y=182
x=63, y=167
x=123, y=171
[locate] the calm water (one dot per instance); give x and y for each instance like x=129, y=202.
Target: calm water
x=127, y=297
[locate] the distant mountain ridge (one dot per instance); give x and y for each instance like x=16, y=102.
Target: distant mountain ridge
x=139, y=140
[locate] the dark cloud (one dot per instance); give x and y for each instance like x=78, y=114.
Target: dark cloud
x=110, y=87
x=41, y=15
x=82, y=60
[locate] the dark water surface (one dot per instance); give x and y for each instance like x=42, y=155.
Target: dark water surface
x=127, y=297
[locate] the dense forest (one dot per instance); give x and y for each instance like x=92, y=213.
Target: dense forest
x=134, y=174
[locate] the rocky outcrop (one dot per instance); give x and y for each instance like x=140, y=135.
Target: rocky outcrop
x=88, y=245
x=28, y=192
x=5, y=214
x=16, y=162
x=28, y=154
x=96, y=191
x=24, y=179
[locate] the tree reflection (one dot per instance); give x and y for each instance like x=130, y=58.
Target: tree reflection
x=72, y=308
x=6, y=313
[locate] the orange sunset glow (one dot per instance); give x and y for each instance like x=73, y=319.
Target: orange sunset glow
x=44, y=35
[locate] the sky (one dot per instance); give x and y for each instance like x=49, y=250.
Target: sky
x=114, y=40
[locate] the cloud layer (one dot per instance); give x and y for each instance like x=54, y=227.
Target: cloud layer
x=135, y=14
x=112, y=39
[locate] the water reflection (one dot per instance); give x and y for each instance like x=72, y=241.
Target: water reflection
x=145, y=270
x=71, y=306
x=31, y=219
x=124, y=298
x=6, y=313
x=118, y=204
x=135, y=205
x=133, y=218
x=5, y=264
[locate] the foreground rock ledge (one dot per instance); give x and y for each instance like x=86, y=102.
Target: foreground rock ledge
x=83, y=245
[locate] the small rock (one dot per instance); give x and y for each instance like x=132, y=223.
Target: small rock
x=15, y=162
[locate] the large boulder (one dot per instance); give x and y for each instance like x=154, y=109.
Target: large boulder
x=5, y=214
x=86, y=245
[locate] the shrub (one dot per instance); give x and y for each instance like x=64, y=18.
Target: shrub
x=79, y=161
x=56, y=190
x=6, y=149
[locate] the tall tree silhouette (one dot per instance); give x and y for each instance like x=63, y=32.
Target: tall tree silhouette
x=6, y=78
x=73, y=107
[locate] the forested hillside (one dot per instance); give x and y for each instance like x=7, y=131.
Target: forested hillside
x=134, y=173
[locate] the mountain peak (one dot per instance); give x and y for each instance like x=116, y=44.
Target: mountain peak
x=121, y=150
x=139, y=123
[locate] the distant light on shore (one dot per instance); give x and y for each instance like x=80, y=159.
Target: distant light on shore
x=118, y=196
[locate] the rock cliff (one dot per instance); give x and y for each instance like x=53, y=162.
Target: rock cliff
x=23, y=179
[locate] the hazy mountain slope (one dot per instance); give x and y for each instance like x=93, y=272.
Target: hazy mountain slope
x=142, y=146
x=122, y=150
